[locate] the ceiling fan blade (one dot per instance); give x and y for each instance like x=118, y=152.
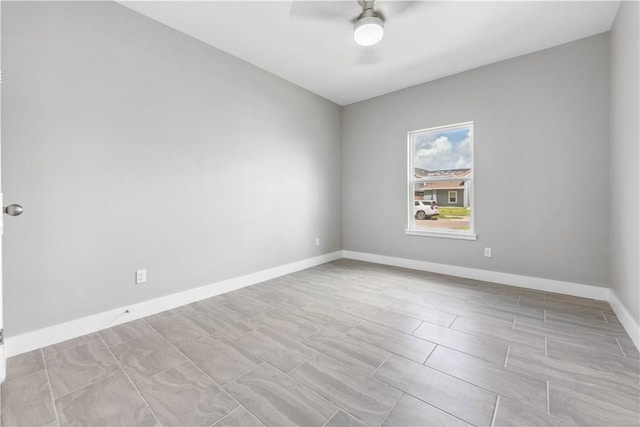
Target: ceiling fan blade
x=323, y=10
x=396, y=7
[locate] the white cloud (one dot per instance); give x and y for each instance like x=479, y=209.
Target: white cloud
x=442, y=154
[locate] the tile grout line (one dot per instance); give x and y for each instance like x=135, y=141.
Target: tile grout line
x=131, y=381
x=381, y=363
x=87, y=385
x=506, y=359
x=545, y=347
x=453, y=321
x=240, y=405
x=324, y=353
x=272, y=330
x=53, y=399
x=239, y=376
x=621, y=349
x=163, y=371
x=384, y=307
x=548, y=406
x=339, y=408
x=424, y=401
x=331, y=417
x=416, y=328
x=351, y=329
x=306, y=337
x=297, y=381
x=392, y=408
x=495, y=411
x=208, y=376
x=121, y=342
x=317, y=352
x=445, y=373
x=430, y=353
x=230, y=412
x=73, y=346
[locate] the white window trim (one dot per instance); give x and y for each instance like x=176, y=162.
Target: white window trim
x=449, y=234
x=455, y=196
x=411, y=180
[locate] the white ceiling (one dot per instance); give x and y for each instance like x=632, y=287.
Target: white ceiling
x=311, y=43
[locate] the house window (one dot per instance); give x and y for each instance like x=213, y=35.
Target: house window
x=453, y=197
x=440, y=175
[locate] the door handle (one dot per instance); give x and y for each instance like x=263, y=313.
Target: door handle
x=13, y=210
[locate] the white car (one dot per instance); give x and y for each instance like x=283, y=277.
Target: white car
x=425, y=209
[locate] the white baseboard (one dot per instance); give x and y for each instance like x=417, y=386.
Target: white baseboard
x=568, y=288
x=537, y=283
x=628, y=323
x=64, y=331
x=32, y=340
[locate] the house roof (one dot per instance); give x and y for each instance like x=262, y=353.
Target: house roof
x=454, y=173
x=440, y=185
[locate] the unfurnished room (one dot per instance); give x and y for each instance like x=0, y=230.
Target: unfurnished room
x=320, y=213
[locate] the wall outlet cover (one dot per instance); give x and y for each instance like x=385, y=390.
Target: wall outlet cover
x=141, y=276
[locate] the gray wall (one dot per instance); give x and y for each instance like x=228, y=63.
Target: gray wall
x=625, y=157
x=131, y=146
x=541, y=131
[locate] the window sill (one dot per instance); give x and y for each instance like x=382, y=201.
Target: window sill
x=449, y=234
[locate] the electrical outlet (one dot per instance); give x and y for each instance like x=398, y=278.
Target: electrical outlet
x=487, y=252
x=317, y=241
x=141, y=276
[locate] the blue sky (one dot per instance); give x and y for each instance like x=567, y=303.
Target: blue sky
x=442, y=150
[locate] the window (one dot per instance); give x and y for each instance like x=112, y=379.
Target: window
x=440, y=184
x=453, y=197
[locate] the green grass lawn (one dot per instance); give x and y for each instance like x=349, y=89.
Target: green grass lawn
x=453, y=212
x=461, y=227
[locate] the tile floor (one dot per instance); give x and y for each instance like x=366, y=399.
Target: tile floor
x=343, y=344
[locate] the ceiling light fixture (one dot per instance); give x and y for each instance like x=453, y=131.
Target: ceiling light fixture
x=369, y=27
x=368, y=31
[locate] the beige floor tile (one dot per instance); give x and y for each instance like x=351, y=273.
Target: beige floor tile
x=27, y=401
x=222, y=359
x=80, y=366
x=277, y=349
x=411, y=412
x=517, y=386
x=463, y=400
x=408, y=346
x=359, y=394
x=110, y=402
x=185, y=396
x=24, y=364
x=278, y=400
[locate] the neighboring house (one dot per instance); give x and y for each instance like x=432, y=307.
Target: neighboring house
x=452, y=192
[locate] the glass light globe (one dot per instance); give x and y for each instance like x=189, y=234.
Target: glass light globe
x=368, y=31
